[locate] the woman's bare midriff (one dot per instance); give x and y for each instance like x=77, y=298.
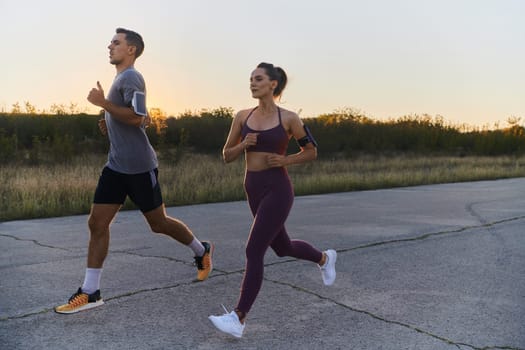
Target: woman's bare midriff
x=256, y=161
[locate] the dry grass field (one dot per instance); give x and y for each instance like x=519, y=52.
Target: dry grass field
x=57, y=190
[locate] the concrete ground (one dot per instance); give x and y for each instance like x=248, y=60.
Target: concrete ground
x=428, y=267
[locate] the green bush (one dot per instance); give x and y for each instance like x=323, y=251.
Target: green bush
x=345, y=133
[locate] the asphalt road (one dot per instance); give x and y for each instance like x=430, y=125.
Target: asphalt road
x=428, y=267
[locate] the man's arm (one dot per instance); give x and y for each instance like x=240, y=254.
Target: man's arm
x=125, y=115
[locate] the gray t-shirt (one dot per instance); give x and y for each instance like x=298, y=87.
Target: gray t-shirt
x=130, y=151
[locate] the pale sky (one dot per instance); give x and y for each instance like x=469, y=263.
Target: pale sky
x=461, y=59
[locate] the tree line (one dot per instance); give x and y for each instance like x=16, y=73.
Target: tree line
x=37, y=138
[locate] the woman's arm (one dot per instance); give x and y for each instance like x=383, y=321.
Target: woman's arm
x=234, y=147
x=307, y=153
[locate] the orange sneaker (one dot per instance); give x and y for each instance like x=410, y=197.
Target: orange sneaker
x=80, y=301
x=204, y=263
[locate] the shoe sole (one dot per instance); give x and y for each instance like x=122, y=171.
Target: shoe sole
x=82, y=308
x=212, y=248
x=333, y=258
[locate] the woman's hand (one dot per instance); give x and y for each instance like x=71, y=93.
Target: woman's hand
x=276, y=160
x=250, y=140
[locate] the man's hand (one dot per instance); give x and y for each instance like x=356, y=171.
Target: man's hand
x=147, y=121
x=102, y=126
x=96, y=96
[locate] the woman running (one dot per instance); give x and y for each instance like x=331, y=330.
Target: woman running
x=263, y=133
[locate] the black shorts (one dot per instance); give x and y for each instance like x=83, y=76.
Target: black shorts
x=143, y=189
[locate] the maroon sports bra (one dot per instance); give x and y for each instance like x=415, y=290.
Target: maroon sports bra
x=274, y=140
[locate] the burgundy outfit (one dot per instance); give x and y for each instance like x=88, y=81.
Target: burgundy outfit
x=270, y=196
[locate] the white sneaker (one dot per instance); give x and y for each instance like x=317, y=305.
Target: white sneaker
x=328, y=269
x=228, y=323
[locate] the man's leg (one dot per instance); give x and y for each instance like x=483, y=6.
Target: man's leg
x=88, y=296
x=161, y=223
x=99, y=220
x=176, y=229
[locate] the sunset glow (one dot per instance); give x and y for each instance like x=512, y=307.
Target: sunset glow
x=462, y=60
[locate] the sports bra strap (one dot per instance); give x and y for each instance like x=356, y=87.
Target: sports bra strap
x=249, y=115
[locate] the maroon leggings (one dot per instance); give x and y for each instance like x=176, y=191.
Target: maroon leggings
x=270, y=195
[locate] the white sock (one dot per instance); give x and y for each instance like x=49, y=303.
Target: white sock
x=91, y=280
x=197, y=247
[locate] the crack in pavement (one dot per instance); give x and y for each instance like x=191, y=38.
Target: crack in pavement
x=368, y=313
x=483, y=224
x=36, y=242
x=489, y=225
x=469, y=208
x=382, y=319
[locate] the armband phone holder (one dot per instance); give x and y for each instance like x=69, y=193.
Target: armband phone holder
x=139, y=103
x=309, y=138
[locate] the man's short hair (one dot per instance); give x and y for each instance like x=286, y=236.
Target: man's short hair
x=133, y=39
